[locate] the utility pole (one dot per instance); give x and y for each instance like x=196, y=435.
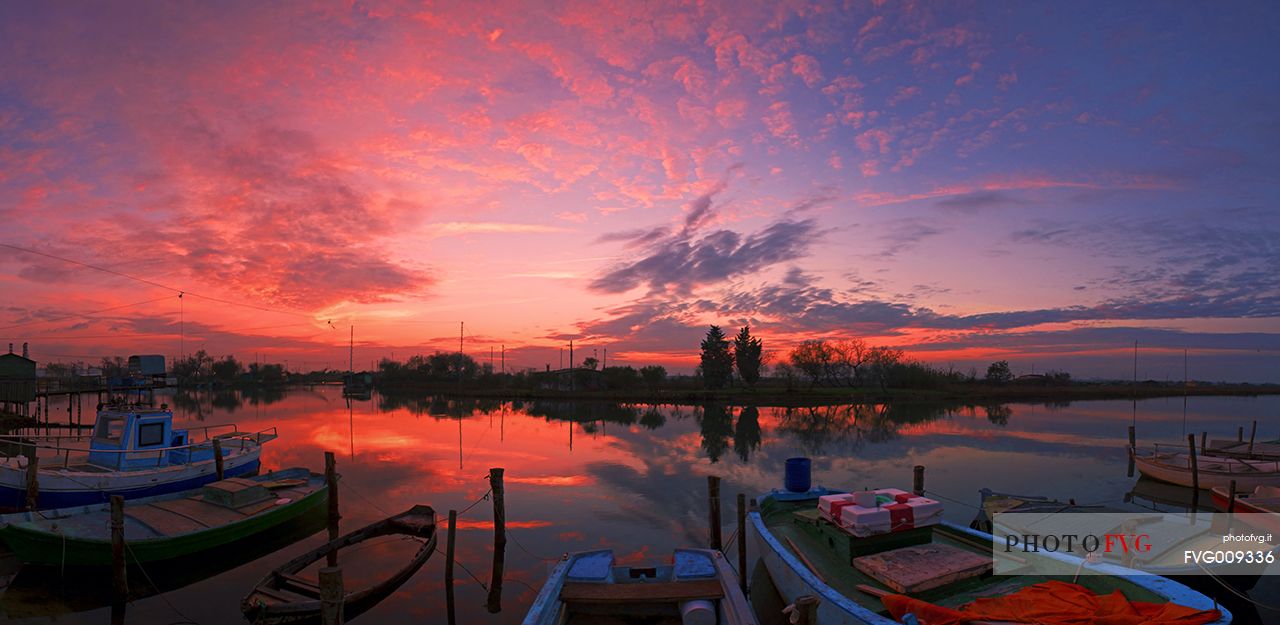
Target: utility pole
x=504, y=358
x=605, y=363
x=570, y=353
x=561, y=358
x=1135, y=363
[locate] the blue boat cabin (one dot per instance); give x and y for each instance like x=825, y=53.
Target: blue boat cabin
x=147, y=434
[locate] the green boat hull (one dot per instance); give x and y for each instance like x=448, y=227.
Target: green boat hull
x=35, y=546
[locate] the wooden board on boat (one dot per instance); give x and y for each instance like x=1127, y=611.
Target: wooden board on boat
x=646, y=592
x=916, y=569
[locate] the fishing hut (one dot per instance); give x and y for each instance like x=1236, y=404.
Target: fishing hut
x=17, y=381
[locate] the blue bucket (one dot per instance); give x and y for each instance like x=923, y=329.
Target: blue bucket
x=797, y=478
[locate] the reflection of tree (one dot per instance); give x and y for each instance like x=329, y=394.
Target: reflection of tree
x=652, y=418
x=226, y=400
x=746, y=436
x=999, y=413
x=850, y=426
x=265, y=395
x=584, y=411
x=716, y=426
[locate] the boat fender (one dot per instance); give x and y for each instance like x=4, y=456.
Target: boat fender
x=283, y=500
x=698, y=612
x=910, y=619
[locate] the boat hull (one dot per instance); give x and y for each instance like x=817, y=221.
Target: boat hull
x=1208, y=477
x=66, y=489
x=35, y=545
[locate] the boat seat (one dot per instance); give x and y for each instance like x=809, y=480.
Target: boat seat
x=281, y=595
x=300, y=583
x=641, y=592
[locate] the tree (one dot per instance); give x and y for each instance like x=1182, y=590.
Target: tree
x=115, y=367
x=747, y=352
x=848, y=357
x=717, y=362
x=998, y=372
x=653, y=376
x=590, y=363
x=813, y=359
x=227, y=369
x=883, y=361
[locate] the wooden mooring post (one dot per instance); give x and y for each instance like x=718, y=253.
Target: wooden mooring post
x=1240, y=434
x=1133, y=447
x=1231, y=494
x=1195, y=472
x=1204, y=442
x=119, y=572
x=331, y=595
x=742, y=542
x=217, y=459
x=917, y=481
x=494, y=604
x=448, y=567
x=331, y=484
x=33, y=480
x=1253, y=433
x=713, y=497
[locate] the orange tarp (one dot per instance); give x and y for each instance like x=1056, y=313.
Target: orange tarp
x=1053, y=603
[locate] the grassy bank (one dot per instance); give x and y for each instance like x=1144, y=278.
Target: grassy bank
x=821, y=396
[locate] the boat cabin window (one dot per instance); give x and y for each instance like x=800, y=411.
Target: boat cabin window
x=150, y=433
x=110, y=429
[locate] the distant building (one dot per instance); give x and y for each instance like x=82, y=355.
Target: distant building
x=17, y=378
x=146, y=366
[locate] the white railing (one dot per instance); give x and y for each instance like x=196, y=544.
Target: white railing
x=234, y=439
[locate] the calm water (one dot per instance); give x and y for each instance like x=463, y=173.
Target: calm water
x=632, y=478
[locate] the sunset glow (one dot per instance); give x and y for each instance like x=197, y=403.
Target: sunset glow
x=1038, y=182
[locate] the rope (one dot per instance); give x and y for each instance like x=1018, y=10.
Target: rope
x=530, y=553
x=955, y=501
x=464, y=567
x=159, y=593
x=1235, y=592
x=484, y=497
x=352, y=489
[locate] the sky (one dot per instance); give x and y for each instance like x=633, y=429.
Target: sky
x=1039, y=182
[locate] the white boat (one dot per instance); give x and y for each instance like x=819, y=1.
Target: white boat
x=697, y=587
x=133, y=451
x=1214, y=472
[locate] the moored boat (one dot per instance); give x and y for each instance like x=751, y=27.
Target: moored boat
x=1262, y=506
x=697, y=587
x=166, y=527
x=284, y=595
x=940, y=563
x=133, y=451
x=1213, y=472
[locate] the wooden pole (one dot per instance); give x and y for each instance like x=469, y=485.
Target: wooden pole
x=494, y=604
x=331, y=483
x=713, y=495
x=742, y=542
x=807, y=609
x=120, y=582
x=1133, y=447
x=1240, y=434
x=1231, y=502
x=1204, y=442
x=217, y=459
x=917, y=484
x=33, y=480
x=1252, y=433
x=331, y=595
x=448, y=567
x=1195, y=473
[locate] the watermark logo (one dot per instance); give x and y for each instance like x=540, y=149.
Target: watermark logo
x=1049, y=543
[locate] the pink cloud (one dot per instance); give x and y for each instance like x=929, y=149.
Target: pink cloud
x=902, y=94
x=874, y=141
x=807, y=68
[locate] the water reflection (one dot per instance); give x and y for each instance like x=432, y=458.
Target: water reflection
x=632, y=477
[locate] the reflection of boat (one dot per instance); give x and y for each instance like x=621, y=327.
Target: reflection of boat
x=947, y=565
x=1175, y=468
x=167, y=527
x=1264, y=501
x=1166, y=494
x=134, y=452
x=697, y=587
x=284, y=595
x=48, y=591
x=357, y=385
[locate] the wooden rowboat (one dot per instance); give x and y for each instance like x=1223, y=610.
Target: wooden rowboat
x=1262, y=506
x=166, y=527
x=284, y=595
x=804, y=555
x=1175, y=468
x=587, y=587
